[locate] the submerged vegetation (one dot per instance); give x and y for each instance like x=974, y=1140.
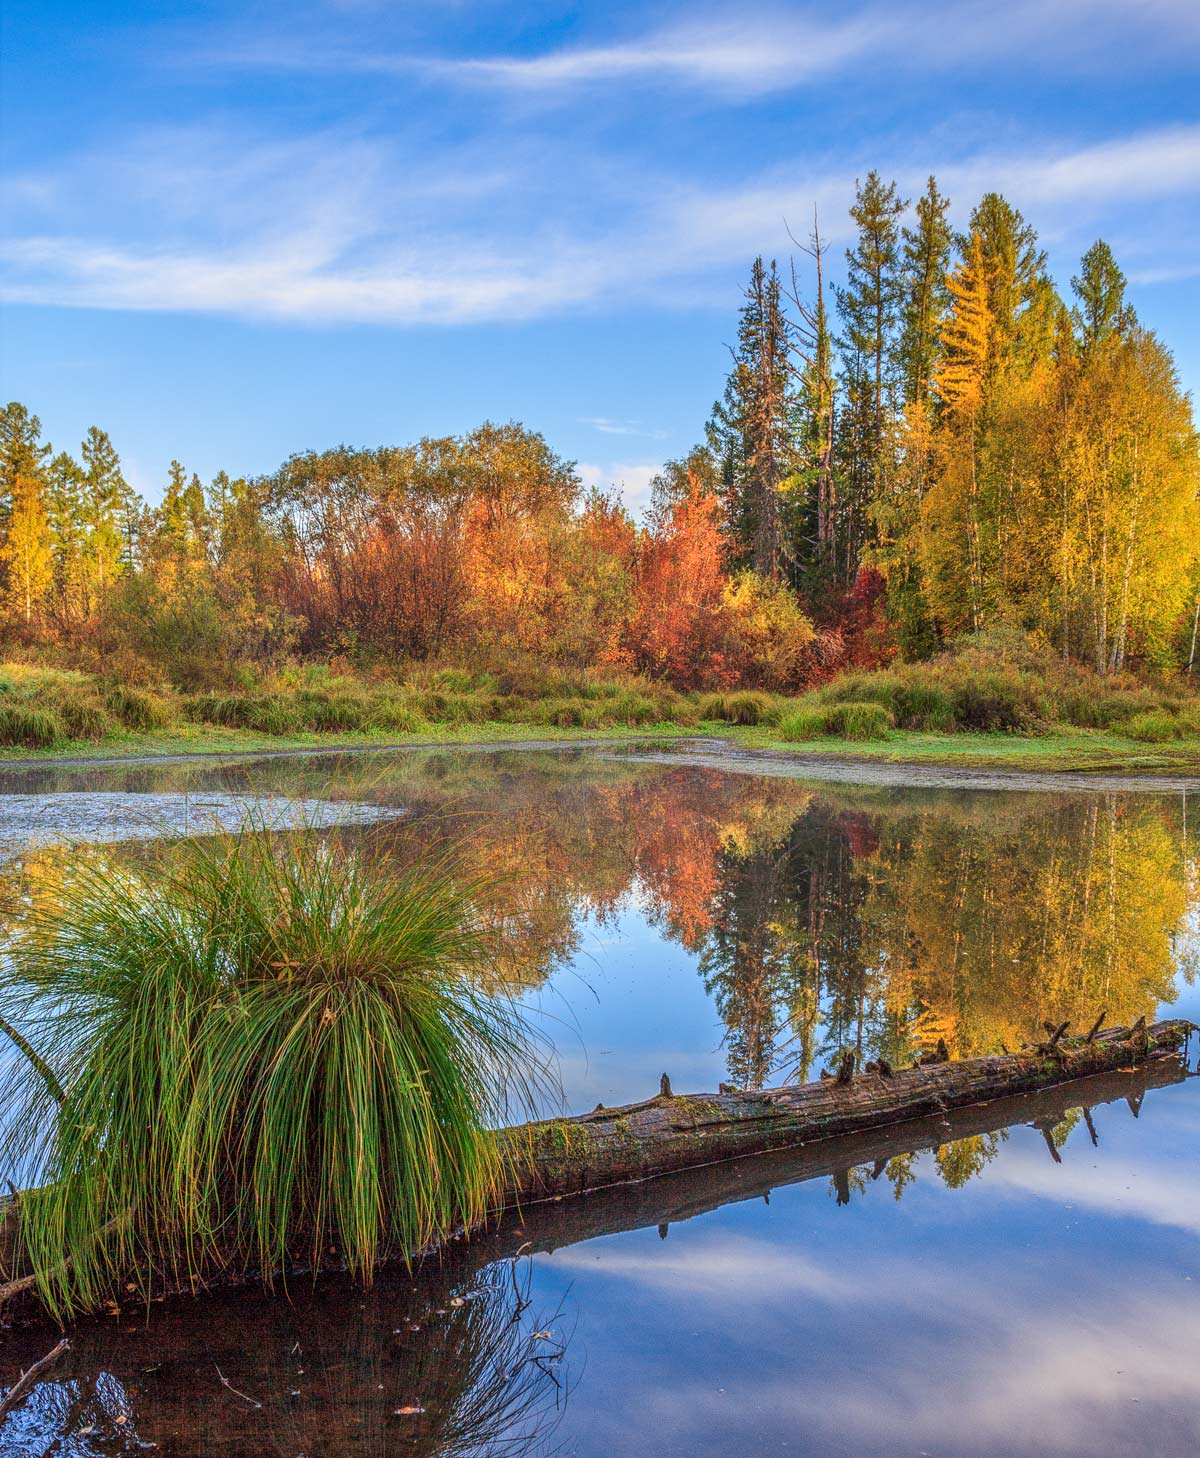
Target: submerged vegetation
x=265, y=1052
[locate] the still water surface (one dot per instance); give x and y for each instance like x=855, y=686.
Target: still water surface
x=1033, y=1290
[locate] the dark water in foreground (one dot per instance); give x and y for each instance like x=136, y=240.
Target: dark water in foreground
x=1033, y=1290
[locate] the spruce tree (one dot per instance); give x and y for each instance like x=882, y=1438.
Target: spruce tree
x=1100, y=289
x=751, y=428
x=1022, y=301
x=869, y=306
x=925, y=262
x=105, y=493
x=67, y=521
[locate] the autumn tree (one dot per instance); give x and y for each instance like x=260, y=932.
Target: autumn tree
x=26, y=550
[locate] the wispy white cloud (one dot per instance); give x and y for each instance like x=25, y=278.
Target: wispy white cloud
x=633, y=481
x=620, y=427
x=762, y=49
x=347, y=227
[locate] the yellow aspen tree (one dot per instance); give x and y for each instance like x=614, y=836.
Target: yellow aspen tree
x=26, y=550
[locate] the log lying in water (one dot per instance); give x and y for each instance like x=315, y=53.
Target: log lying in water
x=547, y=1225
x=670, y=1132
x=816, y=1128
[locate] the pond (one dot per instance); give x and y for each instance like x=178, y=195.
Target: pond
x=1028, y=1285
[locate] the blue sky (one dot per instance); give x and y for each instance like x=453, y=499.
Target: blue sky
x=232, y=231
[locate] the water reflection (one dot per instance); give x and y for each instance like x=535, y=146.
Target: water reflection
x=455, y=1365
x=1022, y=1282
x=478, y=1353
x=862, y=918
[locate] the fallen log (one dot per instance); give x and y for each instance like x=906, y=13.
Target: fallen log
x=823, y=1126
x=550, y=1225
x=671, y=1132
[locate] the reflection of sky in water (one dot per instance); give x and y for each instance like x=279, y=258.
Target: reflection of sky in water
x=1039, y=1308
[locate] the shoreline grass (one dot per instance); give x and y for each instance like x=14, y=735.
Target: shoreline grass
x=1063, y=750
x=971, y=705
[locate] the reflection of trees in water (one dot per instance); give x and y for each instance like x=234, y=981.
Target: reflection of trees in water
x=972, y=923
x=480, y=1372
x=855, y=918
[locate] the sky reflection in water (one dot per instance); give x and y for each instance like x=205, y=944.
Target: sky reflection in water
x=980, y=1299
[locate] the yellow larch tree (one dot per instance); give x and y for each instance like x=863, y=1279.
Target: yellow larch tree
x=26, y=550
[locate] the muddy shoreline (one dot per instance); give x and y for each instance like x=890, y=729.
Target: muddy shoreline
x=703, y=753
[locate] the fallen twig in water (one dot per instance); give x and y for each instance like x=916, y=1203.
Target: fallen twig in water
x=29, y=1377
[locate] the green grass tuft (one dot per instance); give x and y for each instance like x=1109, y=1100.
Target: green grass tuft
x=30, y=727
x=271, y=1048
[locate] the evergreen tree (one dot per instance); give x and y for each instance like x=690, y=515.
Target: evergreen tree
x=1100, y=289
x=751, y=431
x=1020, y=297
x=105, y=494
x=925, y=262
x=66, y=519
x=869, y=306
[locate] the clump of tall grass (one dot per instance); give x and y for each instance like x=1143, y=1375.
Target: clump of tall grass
x=31, y=727
x=137, y=708
x=858, y=722
x=746, y=707
x=269, y=1048
x=1161, y=727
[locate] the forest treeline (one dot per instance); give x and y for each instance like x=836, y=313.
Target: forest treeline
x=942, y=444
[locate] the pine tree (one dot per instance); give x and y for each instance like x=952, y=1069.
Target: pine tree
x=66, y=518
x=1100, y=289
x=105, y=494
x=925, y=262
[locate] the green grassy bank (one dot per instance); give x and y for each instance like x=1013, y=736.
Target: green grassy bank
x=965, y=709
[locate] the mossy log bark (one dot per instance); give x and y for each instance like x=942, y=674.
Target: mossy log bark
x=671, y=1132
